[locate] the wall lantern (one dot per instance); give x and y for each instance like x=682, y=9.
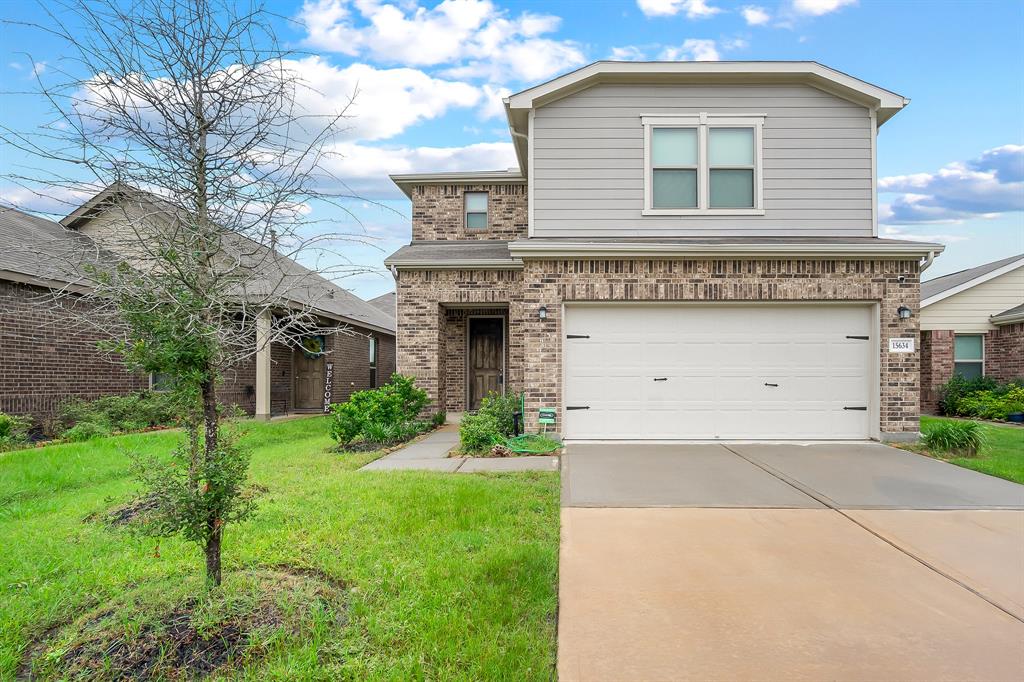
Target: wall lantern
x=904, y=312
x=542, y=313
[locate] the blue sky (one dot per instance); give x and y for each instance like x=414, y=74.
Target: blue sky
x=431, y=76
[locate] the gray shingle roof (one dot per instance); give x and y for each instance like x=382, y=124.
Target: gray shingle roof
x=386, y=302
x=1014, y=312
x=452, y=252
x=40, y=249
x=936, y=286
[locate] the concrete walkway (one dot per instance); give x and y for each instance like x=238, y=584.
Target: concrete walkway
x=787, y=562
x=431, y=454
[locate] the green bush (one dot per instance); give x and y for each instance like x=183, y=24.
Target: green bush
x=958, y=387
x=502, y=407
x=985, y=399
x=398, y=402
x=479, y=432
x=439, y=419
x=960, y=438
x=13, y=431
x=84, y=431
x=132, y=412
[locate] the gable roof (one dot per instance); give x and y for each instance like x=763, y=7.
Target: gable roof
x=935, y=290
x=1011, y=316
x=884, y=103
x=387, y=302
x=306, y=288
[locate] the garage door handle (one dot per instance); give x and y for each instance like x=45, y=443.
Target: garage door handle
x=661, y=378
x=862, y=409
x=775, y=385
x=577, y=407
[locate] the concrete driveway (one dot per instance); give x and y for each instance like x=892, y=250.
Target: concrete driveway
x=765, y=562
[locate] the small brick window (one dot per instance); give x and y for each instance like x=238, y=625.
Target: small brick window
x=476, y=210
x=373, y=362
x=969, y=355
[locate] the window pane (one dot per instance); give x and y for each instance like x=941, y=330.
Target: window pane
x=732, y=189
x=731, y=146
x=476, y=202
x=968, y=370
x=675, y=189
x=476, y=221
x=674, y=147
x=967, y=348
x=373, y=351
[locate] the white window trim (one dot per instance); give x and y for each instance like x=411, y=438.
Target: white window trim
x=980, y=361
x=702, y=122
x=466, y=211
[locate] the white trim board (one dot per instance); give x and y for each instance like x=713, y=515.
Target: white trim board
x=971, y=283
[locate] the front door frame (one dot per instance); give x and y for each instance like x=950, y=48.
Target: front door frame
x=294, y=376
x=468, y=369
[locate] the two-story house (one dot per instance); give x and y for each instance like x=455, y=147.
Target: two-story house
x=686, y=251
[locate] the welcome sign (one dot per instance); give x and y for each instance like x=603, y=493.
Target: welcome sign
x=328, y=382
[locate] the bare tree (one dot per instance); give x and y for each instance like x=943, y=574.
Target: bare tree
x=193, y=118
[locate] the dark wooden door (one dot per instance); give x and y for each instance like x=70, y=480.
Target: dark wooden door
x=309, y=381
x=486, y=355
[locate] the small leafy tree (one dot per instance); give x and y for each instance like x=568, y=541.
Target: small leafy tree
x=199, y=128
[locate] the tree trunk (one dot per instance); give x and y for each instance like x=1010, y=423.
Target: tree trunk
x=213, y=554
x=214, y=528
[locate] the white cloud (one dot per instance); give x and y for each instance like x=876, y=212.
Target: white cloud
x=694, y=9
x=892, y=232
x=627, y=53
x=817, y=8
x=979, y=188
x=473, y=37
x=754, y=15
x=493, y=102
x=365, y=169
x=695, y=49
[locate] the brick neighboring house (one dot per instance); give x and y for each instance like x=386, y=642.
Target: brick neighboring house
x=972, y=324
x=47, y=356
x=685, y=251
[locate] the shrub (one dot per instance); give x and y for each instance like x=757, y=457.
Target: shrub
x=131, y=412
x=502, y=407
x=958, y=387
x=479, y=432
x=13, y=431
x=963, y=438
x=398, y=402
x=439, y=419
x=84, y=431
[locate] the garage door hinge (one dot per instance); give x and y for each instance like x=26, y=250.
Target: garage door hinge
x=577, y=407
x=855, y=408
x=859, y=338
x=577, y=336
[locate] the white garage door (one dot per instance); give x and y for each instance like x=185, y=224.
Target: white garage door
x=717, y=371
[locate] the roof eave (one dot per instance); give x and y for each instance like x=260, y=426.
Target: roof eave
x=406, y=181
x=554, y=249
x=971, y=283
x=1000, y=320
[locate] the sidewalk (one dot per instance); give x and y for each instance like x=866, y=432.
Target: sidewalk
x=431, y=454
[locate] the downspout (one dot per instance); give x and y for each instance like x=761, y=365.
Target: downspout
x=927, y=261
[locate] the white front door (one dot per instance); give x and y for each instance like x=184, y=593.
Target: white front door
x=760, y=371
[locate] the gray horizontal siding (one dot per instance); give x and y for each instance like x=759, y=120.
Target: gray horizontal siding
x=588, y=162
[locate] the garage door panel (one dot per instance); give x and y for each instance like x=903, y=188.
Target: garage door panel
x=716, y=361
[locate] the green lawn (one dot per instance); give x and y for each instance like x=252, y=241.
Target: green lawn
x=1002, y=456
x=446, y=576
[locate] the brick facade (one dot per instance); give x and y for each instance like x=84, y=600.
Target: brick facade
x=1004, y=359
x=534, y=355
x=1004, y=352
x=48, y=357
x=936, y=366
x=438, y=212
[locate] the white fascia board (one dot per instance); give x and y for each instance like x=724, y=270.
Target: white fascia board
x=514, y=264
x=1008, y=319
x=1010, y=267
x=554, y=249
x=810, y=71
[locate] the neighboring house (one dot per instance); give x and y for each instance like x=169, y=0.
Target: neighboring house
x=47, y=355
x=686, y=251
x=387, y=302
x=972, y=324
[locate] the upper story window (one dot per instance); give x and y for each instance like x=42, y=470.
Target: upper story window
x=702, y=165
x=476, y=210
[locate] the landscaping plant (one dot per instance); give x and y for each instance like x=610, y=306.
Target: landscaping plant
x=982, y=398
x=132, y=412
x=13, y=431
x=196, y=122
x=383, y=415
x=963, y=438
x=491, y=424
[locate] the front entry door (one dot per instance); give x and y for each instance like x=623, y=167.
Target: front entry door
x=309, y=381
x=486, y=357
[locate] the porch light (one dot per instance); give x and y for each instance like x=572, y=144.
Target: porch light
x=904, y=312
x=542, y=313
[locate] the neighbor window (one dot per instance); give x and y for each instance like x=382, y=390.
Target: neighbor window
x=373, y=362
x=160, y=382
x=476, y=210
x=703, y=164
x=969, y=355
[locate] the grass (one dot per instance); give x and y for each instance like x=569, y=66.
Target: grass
x=446, y=577
x=1002, y=454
